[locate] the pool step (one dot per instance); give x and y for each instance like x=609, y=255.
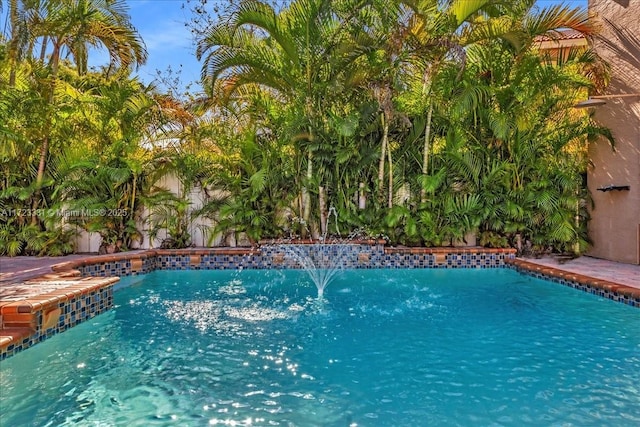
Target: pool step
x=69, y=300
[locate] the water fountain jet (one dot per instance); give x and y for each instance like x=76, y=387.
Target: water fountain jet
x=321, y=261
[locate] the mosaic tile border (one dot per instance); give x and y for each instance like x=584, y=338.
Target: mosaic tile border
x=359, y=255
x=28, y=322
x=603, y=288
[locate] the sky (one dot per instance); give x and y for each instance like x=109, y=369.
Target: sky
x=162, y=25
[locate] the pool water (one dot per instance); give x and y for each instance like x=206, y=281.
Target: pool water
x=383, y=348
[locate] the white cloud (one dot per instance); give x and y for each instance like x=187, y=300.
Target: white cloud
x=166, y=36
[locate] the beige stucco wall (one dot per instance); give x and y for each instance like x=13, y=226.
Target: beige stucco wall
x=615, y=217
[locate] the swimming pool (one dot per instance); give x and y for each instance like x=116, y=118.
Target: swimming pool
x=384, y=347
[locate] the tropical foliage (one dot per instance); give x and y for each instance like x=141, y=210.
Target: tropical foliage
x=423, y=121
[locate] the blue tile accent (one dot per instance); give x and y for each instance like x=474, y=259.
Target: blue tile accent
x=276, y=256
x=73, y=312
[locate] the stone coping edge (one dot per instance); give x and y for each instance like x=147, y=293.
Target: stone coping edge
x=448, y=250
x=371, y=242
x=21, y=319
x=577, y=278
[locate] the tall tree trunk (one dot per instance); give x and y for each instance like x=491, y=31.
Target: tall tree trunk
x=44, y=148
x=322, y=200
x=29, y=51
x=383, y=151
x=306, y=197
x=13, y=43
x=43, y=48
x=390, y=190
x=425, y=152
x=308, y=105
x=133, y=193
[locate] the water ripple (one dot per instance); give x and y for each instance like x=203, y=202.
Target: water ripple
x=381, y=348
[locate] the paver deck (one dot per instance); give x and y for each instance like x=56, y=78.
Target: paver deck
x=623, y=274
x=24, y=277
x=20, y=268
x=37, y=303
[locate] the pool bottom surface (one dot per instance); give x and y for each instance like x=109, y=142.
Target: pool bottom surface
x=384, y=347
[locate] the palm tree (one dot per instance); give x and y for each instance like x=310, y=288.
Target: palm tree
x=440, y=32
x=13, y=41
x=525, y=144
x=75, y=25
x=436, y=34
x=291, y=54
x=112, y=170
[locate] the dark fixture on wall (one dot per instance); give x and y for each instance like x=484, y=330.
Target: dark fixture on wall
x=591, y=102
x=614, y=188
x=598, y=100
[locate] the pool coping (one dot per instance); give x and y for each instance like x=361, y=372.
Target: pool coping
x=24, y=323
x=35, y=316
x=605, y=288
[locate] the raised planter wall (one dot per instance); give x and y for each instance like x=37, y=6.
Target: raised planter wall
x=359, y=255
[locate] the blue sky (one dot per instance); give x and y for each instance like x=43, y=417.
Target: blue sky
x=161, y=24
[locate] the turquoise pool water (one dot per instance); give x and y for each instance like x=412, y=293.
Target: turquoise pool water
x=384, y=348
